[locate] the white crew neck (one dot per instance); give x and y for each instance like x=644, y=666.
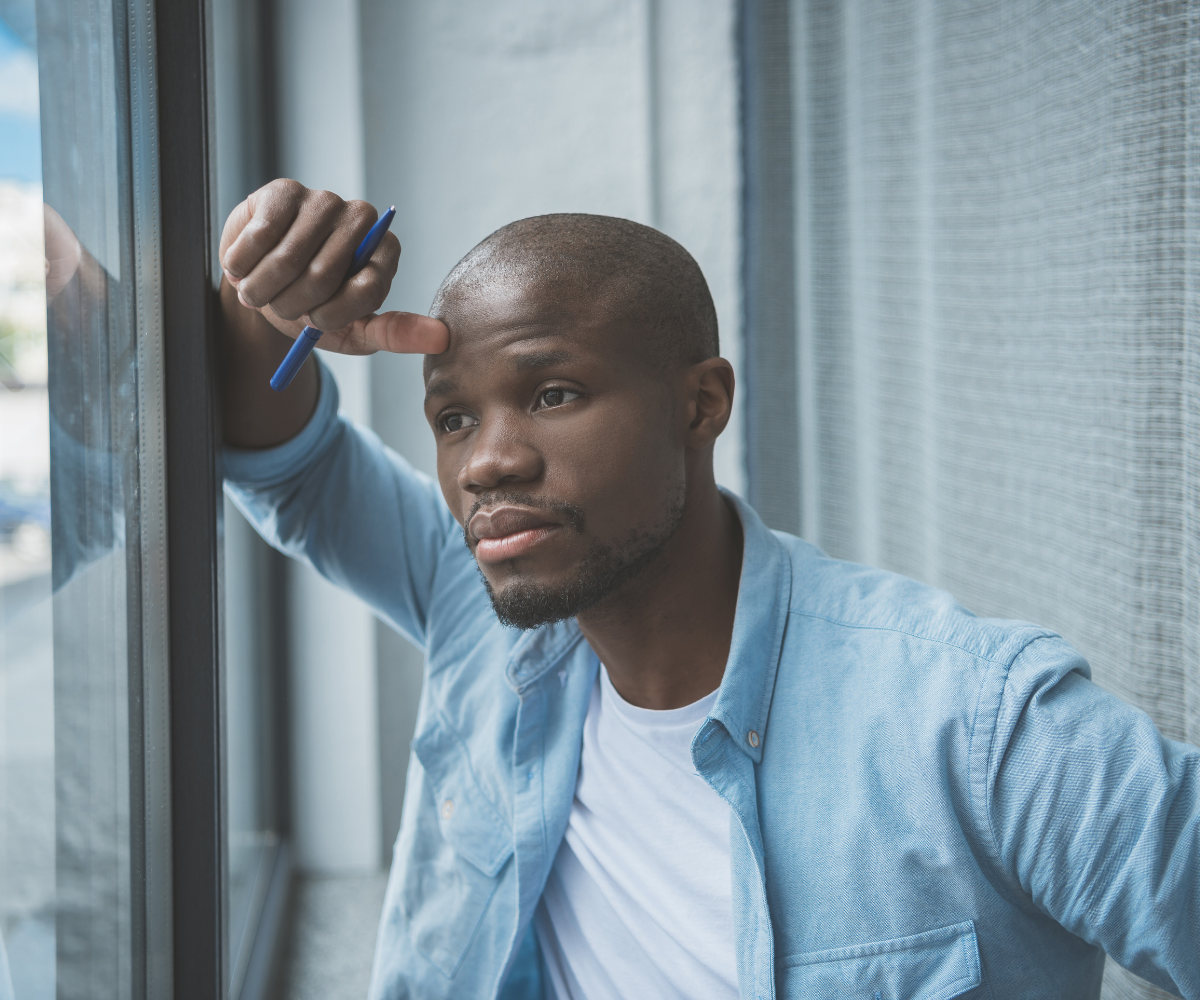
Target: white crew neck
x=688, y=715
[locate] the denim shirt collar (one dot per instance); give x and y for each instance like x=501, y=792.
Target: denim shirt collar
x=764, y=595
x=537, y=651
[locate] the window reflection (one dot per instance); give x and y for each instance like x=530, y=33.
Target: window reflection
x=84, y=845
x=27, y=806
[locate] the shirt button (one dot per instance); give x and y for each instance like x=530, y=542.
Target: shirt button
x=447, y=809
x=752, y=738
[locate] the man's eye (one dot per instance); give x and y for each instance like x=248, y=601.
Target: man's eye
x=452, y=422
x=556, y=397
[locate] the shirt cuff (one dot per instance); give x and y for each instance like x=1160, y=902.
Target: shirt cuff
x=262, y=466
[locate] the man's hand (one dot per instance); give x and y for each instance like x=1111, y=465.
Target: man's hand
x=284, y=252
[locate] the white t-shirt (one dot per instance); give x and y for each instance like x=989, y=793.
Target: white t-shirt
x=639, y=903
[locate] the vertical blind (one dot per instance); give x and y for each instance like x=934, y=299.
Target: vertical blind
x=996, y=301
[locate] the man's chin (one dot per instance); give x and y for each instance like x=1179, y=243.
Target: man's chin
x=529, y=602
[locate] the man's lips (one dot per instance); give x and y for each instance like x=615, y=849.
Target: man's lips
x=507, y=532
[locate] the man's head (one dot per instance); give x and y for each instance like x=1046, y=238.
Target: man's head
x=575, y=408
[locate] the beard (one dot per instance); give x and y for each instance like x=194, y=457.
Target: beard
x=604, y=569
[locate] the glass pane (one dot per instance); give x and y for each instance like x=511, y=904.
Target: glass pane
x=83, y=807
x=27, y=791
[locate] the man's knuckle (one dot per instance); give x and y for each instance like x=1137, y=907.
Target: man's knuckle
x=251, y=295
x=287, y=191
x=325, y=201
x=375, y=290
x=287, y=309
x=323, y=278
x=319, y=270
x=360, y=211
x=327, y=319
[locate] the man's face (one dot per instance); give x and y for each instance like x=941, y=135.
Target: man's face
x=559, y=450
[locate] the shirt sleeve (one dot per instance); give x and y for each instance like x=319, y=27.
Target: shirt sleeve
x=337, y=498
x=1097, y=816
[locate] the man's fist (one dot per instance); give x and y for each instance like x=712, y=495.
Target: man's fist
x=286, y=250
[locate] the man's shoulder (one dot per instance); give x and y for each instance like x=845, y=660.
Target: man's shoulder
x=889, y=607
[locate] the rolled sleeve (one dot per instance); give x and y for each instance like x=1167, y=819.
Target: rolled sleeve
x=336, y=497
x=1097, y=816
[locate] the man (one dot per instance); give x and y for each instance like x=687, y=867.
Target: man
x=661, y=750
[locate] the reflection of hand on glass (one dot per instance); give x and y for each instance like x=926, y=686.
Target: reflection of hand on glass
x=91, y=356
x=66, y=258
x=63, y=253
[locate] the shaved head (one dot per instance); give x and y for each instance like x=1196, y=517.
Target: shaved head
x=632, y=273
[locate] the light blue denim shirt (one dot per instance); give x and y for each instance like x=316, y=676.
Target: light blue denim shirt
x=923, y=803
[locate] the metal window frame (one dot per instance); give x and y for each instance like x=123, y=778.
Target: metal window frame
x=194, y=479
x=187, y=170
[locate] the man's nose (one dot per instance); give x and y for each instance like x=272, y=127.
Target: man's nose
x=499, y=454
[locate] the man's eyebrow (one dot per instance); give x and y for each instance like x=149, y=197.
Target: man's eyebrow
x=541, y=359
x=521, y=363
x=442, y=387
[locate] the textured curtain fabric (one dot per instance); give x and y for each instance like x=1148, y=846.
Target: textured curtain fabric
x=996, y=294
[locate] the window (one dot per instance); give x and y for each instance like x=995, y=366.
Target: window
x=27, y=807
x=84, y=854
x=141, y=827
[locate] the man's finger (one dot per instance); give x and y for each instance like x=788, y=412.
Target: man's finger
x=233, y=229
x=257, y=225
x=408, y=333
x=395, y=332
x=363, y=293
x=317, y=288
x=315, y=223
x=290, y=327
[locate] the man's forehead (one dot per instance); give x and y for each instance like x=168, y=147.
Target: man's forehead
x=521, y=349
x=521, y=298
x=524, y=332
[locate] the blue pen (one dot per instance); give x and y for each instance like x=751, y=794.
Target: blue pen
x=303, y=345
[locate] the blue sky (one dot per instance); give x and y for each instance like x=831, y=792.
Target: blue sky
x=20, y=132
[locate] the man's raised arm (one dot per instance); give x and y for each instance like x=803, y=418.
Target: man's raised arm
x=314, y=485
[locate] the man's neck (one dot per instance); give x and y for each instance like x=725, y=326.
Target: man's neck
x=665, y=636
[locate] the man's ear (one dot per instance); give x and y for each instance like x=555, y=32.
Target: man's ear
x=710, y=386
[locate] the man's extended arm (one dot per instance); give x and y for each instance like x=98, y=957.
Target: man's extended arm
x=1097, y=817
x=313, y=484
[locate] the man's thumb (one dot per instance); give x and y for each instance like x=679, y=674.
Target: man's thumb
x=408, y=333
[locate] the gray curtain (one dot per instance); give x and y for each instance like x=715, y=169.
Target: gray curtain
x=996, y=294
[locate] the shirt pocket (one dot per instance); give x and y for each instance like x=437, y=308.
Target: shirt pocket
x=934, y=965
x=461, y=849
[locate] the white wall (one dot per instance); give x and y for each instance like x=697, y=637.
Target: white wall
x=471, y=114
x=331, y=635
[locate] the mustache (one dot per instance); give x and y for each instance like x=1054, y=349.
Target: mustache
x=571, y=513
